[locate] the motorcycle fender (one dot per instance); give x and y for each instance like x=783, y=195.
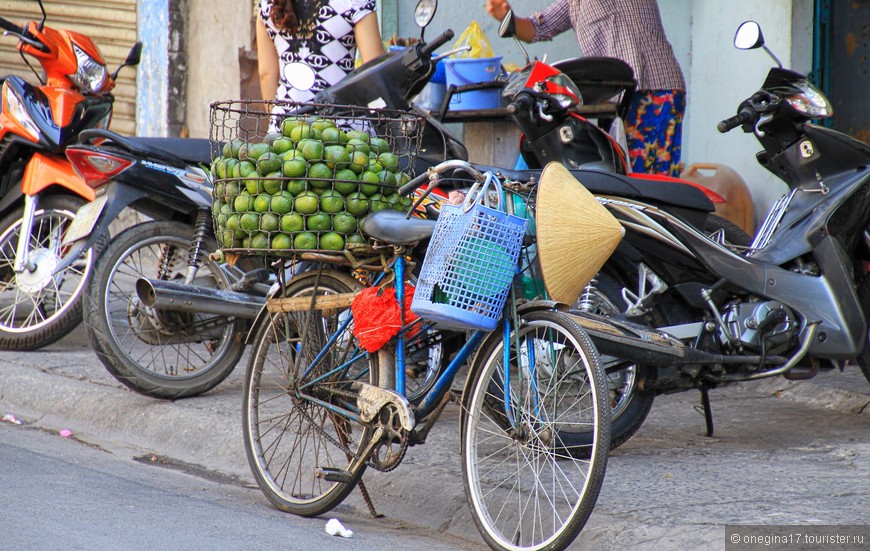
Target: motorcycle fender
x=119, y=197
x=43, y=171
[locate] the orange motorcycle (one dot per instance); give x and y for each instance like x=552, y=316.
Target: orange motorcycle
x=39, y=190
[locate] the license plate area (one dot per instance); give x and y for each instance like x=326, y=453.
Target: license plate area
x=85, y=219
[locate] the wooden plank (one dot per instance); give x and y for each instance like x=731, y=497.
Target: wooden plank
x=303, y=304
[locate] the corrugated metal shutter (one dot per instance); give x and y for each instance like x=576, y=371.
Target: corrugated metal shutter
x=112, y=26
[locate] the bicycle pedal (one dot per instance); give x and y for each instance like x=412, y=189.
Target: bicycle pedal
x=333, y=475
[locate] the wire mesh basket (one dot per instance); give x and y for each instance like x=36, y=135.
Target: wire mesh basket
x=294, y=177
x=469, y=266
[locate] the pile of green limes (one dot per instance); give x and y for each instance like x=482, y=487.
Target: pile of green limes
x=306, y=188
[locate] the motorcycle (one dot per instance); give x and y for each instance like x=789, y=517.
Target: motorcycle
x=160, y=346
x=40, y=191
x=796, y=301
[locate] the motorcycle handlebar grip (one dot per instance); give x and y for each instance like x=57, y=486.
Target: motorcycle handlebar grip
x=408, y=188
x=11, y=27
x=437, y=42
x=744, y=116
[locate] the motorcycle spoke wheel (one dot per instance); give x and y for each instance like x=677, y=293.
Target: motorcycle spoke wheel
x=38, y=307
x=289, y=437
x=528, y=487
x=155, y=352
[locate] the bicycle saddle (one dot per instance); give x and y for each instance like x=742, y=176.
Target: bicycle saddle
x=390, y=226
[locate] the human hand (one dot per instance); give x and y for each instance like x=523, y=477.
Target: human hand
x=497, y=8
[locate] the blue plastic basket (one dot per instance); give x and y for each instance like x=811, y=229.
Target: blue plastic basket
x=470, y=264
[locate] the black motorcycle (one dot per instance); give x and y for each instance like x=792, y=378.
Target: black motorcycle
x=796, y=302
x=168, y=346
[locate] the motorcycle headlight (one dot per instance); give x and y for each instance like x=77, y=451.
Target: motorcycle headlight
x=90, y=76
x=16, y=110
x=810, y=101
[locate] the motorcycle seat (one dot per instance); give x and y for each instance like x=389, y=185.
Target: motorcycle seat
x=390, y=226
x=669, y=192
x=193, y=151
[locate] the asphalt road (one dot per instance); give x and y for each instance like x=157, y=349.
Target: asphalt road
x=784, y=452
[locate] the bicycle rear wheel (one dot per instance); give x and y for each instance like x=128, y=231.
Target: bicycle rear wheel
x=290, y=431
x=528, y=488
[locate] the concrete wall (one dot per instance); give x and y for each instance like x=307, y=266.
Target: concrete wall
x=220, y=36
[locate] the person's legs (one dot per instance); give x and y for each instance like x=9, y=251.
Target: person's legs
x=654, y=127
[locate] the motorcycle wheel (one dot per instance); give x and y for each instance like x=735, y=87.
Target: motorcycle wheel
x=864, y=299
x=155, y=352
x=629, y=402
x=38, y=308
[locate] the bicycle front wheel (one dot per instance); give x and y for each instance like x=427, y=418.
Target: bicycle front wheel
x=293, y=434
x=527, y=485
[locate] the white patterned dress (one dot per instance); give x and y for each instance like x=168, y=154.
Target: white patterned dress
x=322, y=52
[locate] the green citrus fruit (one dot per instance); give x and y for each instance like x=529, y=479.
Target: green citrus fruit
x=255, y=151
x=261, y=202
x=331, y=242
x=344, y=223
x=355, y=145
x=387, y=178
x=282, y=241
x=305, y=240
x=250, y=222
x=336, y=156
x=331, y=201
x=281, y=204
x=231, y=190
x=231, y=168
x=359, y=160
x=269, y=222
x=267, y=163
x=247, y=168
x=379, y=145
x=356, y=239
x=322, y=124
x=312, y=150
x=295, y=168
x=220, y=168
x=333, y=135
x=357, y=204
x=242, y=203
x=378, y=202
x=374, y=166
x=345, y=182
x=295, y=187
x=318, y=222
x=282, y=145
x=273, y=183
x=394, y=201
x=320, y=176
x=369, y=183
x=220, y=190
x=254, y=185
x=304, y=131
x=289, y=123
x=358, y=135
x=306, y=203
x=259, y=240
x=233, y=222
x=292, y=223
x=290, y=155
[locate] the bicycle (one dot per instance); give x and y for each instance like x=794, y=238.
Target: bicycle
x=318, y=410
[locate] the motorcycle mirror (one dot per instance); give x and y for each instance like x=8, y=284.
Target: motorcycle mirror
x=42, y=22
x=133, y=59
x=424, y=12
x=748, y=36
x=508, y=26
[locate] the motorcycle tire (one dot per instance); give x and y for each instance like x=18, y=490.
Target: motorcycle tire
x=38, y=308
x=864, y=300
x=159, y=353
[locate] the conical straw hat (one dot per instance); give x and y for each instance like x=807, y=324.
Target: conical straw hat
x=576, y=234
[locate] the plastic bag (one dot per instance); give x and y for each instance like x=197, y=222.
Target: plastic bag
x=473, y=37
x=377, y=317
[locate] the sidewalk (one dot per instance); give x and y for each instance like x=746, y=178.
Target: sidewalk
x=65, y=387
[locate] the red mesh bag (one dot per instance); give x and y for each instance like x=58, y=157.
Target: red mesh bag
x=377, y=318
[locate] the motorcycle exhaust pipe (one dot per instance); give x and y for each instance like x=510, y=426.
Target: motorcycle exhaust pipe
x=178, y=297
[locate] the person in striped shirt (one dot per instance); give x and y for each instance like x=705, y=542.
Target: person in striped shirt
x=630, y=30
